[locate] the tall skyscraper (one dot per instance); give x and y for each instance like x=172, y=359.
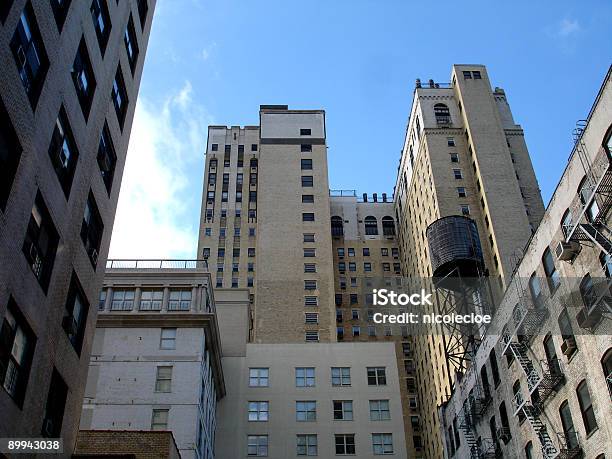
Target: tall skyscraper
x=71, y=72
x=463, y=155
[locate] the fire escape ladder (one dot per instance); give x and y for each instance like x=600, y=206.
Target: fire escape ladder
x=549, y=450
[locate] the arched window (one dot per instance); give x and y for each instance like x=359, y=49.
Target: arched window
x=388, y=226
x=442, y=114
x=585, y=191
x=586, y=407
x=529, y=450
x=371, y=226
x=566, y=223
x=606, y=365
x=337, y=227
x=587, y=291
x=536, y=291
x=551, y=355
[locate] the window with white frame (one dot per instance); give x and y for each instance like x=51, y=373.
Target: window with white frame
x=159, y=419
x=151, y=300
x=180, y=300
x=312, y=336
x=257, y=445
x=343, y=410
x=345, y=444
x=259, y=411
x=311, y=317
x=168, y=338
x=123, y=300
x=163, y=379
x=304, y=377
x=341, y=376
x=377, y=376
x=259, y=377
x=311, y=301
x=305, y=410
x=382, y=443
x=307, y=445
x=379, y=410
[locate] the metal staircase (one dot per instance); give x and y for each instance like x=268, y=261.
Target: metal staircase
x=549, y=450
x=479, y=449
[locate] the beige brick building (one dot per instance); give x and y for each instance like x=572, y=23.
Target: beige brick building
x=541, y=381
x=68, y=89
x=463, y=154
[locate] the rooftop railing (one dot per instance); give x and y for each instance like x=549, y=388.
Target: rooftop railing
x=156, y=264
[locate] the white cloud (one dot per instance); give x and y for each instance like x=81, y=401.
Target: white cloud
x=207, y=51
x=166, y=143
x=567, y=27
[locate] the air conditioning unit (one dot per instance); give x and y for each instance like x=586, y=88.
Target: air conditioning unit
x=568, y=346
x=588, y=319
x=567, y=251
x=70, y=325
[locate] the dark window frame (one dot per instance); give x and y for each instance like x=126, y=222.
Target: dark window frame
x=62, y=141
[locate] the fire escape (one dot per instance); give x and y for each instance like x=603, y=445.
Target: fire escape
x=479, y=448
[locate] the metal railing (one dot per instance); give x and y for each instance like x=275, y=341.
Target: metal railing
x=156, y=264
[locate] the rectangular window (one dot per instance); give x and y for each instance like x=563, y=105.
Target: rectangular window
x=259, y=411
x=163, y=379
x=101, y=22
x=345, y=444
x=353, y=296
x=102, y=300
x=123, y=300
x=159, y=420
x=252, y=196
x=41, y=242
x=310, y=285
x=75, y=317
x=17, y=343
x=259, y=377
x=386, y=267
x=310, y=268
x=352, y=266
x=63, y=151
x=461, y=192
x=457, y=174
x=308, y=217
x=307, y=445
x=450, y=141
x=309, y=237
x=253, y=147
x=366, y=252
x=306, y=148
x=311, y=301
x=382, y=443
x=10, y=154
x=476, y=75
x=465, y=209
x=311, y=318
x=107, y=158
x=454, y=157
x=343, y=410
x=180, y=300
x=307, y=181
x=367, y=267
x=356, y=329
x=251, y=252
x=377, y=376
x=307, y=198
x=379, y=410
x=119, y=97
x=305, y=131
x=306, y=164
x=306, y=411
x=151, y=300
x=214, y=147
x=552, y=275
x=83, y=78
x=312, y=336
x=168, y=339
x=92, y=229
x=304, y=377
x=257, y=445
x=131, y=44
x=586, y=408
x=54, y=408
x=309, y=252
x=467, y=75
x=341, y=376
x=30, y=55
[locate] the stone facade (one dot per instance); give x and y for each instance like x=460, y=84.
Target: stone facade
x=136, y=444
x=58, y=195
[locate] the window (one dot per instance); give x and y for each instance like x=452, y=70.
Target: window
x=345, y=444
x=476, y=74
x=341, y=376
x=371, y=226
x=168, y=339
x=494, y=367
x=311, y=317
x=366, y=252
x=337, y=226
x=465, y=209
x=17, y=343
x=376, y=376
x=340, y=251
x=10, y=154
x=180, y=300
x=307, y=180
x=305, y=411
x=107, y=158
x=257, y=445
x=131, y=44
x=442, y=114
x=457, y=174
x=163, y=379
x=305, y=132
x=367, y=267
x=304, y=377
x=388, y=226
x=251, y=252
x=307, y=445
x=119, y=97
x=450, y=141
x=382, y=443
x=386, y=267
x=467, y=75
x=41, y=241
x=151, y=300
x=586, y=407
x=569, y=432
x=101, y=22
x=312, y=336
x=123, y=300
x=535, y=290
x=83, y=78
x=143, y=9
x=310, y=285
x=54, y=408
x=306, y=148
x=606, y=364
x=503, y=414
x=529, y=450
x=60, y=11
x=258, y=411
x=307, y=198
x=309, y=252
x=310, y=268
x=343, y=410
x=354, y=300
x=379, y=410
x=159, y=419
x=461, y=192
x=454, y=157
x=251, y=232
x=30, y=55
x=253, y=147
x=92, y=229
x=63, y=151
x=102, y=300
x=552, y=275
x=352, y=266
x=259, y=377
x=308, y=217
x=75, y=318
x=587, y=291
x=569, y=346
x=221, y=252
x=306, y=164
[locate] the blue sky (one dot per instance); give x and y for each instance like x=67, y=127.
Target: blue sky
x=215, y=62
